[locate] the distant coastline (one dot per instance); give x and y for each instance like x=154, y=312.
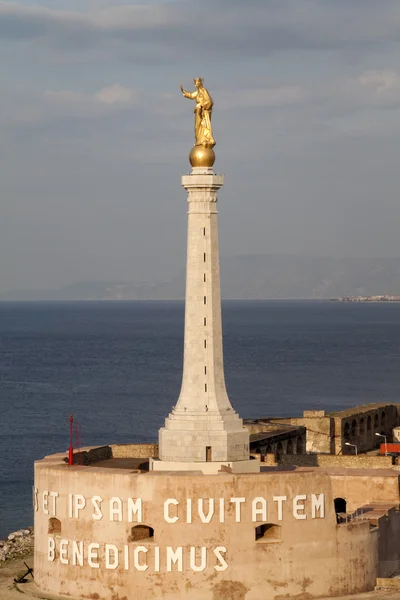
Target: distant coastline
x=260, y=277
x=383, y=298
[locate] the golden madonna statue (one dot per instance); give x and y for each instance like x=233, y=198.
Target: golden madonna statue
x=202, y=114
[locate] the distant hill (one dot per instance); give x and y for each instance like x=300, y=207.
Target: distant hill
x=250, y=277
x=86, y=290
x=288, y=276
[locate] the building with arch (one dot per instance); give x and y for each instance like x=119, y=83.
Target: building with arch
x=329, y=432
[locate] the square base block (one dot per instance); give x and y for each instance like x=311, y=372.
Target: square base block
x=190, y=445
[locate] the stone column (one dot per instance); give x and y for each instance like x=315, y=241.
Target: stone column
x=203, y=425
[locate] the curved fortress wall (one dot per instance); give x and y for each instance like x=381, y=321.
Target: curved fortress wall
x=106, y=533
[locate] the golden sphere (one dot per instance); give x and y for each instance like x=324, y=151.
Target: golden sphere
x=201, y=157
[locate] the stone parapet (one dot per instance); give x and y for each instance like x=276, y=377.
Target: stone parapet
x=134, y=450
x=340, y=461
x=89, y=455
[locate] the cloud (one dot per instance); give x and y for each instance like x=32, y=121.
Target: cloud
x=320, y=102
x=380, y=88
x=69, y=104
x=22, y=108
x=370, y=90
x=115, y=94
x=112, y=96
x=294, y=126
x=176, y=31
x=381, y=81
x=268, y=97
x=21, y=22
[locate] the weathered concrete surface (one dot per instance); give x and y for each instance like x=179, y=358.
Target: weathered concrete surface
x=8, y=591
x=378, y=595
x=345, y=461
x=307, y=558
x=9, y=570
x=363, y=486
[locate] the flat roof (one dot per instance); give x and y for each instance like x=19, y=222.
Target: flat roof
x=363, y=408
x=255, y=437
x=123, y=463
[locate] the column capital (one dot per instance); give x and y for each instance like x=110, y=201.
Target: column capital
x=202, y=181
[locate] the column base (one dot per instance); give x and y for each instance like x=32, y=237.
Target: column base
x=189, y=445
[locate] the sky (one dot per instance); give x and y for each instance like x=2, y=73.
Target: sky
x=95, y=134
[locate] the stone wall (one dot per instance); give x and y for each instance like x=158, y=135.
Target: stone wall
x=134, y=450
x=359, y=488
x=389, y=547
x=320, y=433
x=360, y=425
x=261, y=426
x=92, y=455
x=266, y=460
x=363, y=461
x=367, y=560
x=88, y=456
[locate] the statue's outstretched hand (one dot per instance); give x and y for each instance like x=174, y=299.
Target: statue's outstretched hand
x=182, y=90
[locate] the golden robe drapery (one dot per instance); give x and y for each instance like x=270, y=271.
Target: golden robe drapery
x=202, y=116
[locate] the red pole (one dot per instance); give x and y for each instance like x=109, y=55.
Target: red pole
x=70, y=450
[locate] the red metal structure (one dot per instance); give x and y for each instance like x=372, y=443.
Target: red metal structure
x=391, y=448
x=74, y=430
x=71, y=448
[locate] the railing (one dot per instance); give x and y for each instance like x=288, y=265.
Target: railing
x=357, y=515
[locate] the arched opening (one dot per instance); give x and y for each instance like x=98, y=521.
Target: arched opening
x=141, y=532
x=299, y=446
x=340, y=509
x=362, y=426
x=268, y=450
x=340, y=505
x=376, y=421
x=383, y=419
x=279, y=451
x=289, y=447
x=353, y=428
x=346, y=431
x=54, y=525
x=369, y=422
x=268, y=532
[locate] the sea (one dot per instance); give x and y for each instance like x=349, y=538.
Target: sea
x=116, y=367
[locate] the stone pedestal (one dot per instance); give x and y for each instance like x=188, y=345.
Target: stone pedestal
x=203, y=427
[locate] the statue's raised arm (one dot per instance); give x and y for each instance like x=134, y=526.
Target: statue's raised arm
x=202, y=114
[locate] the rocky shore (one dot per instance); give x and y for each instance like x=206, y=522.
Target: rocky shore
x=18, y=544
